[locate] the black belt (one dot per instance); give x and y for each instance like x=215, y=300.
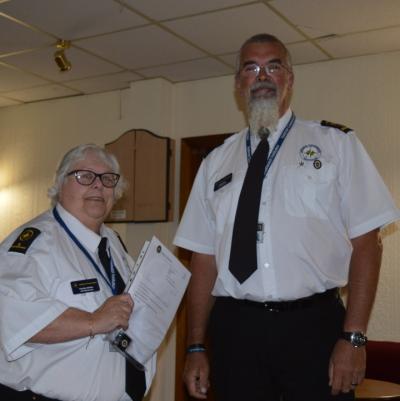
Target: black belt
x=282, y=306
x=9, y=394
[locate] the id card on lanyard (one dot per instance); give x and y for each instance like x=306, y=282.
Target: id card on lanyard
x=271, y=158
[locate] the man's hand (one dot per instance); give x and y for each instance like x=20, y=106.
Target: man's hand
x=195, y=375
x=113, y=314
x=346, y=367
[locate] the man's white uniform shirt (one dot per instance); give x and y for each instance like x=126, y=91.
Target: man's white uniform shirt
x=35, y=288
x=321, y=190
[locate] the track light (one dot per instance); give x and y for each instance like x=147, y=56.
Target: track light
x=59, y=56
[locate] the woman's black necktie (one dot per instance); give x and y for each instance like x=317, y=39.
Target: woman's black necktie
x=243, y=258
x=135, y=380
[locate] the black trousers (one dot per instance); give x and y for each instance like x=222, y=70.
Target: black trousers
x=8, y=394
x=258, y=355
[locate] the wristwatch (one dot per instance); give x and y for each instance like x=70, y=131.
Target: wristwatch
x=355, y=338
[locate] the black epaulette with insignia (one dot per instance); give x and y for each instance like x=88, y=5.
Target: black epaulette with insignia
x=24, y=240
x=341, y=127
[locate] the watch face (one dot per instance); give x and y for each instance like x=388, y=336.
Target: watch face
x=358, y=339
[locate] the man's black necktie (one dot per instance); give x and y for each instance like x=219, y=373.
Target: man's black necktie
x=243, y=258
x=135, y=380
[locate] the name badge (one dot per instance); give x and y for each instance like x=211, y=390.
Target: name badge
x=84, y=286
x=222, y=182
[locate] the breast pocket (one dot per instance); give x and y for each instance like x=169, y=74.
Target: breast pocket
x=308, y=192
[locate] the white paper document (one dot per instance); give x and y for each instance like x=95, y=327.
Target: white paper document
x=157, y=285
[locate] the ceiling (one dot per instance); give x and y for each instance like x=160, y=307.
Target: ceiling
x=115, y=42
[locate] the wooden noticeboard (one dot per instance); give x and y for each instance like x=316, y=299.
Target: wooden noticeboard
x=147, y=163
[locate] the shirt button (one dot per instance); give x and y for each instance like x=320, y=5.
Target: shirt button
x=266, y=265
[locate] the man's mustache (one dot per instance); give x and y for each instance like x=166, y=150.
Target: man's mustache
x=262, y=85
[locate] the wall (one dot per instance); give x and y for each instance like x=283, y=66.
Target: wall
x=359, y=92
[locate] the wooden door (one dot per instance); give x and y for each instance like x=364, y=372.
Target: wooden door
x=193, y=150
x=147, y=162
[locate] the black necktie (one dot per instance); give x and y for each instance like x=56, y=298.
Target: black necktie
x=243, y=258
x=135, y=380
x=106, y=262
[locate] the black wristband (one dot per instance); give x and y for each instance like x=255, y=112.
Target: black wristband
x=195, y=348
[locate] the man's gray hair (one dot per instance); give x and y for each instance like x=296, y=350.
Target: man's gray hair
x=79, y=153
x=264, y=38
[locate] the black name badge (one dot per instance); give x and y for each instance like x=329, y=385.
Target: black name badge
x=84, y=286
x=222, y=182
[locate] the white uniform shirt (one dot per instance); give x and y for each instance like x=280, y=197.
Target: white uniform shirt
x=35, y=288
x=322, y=190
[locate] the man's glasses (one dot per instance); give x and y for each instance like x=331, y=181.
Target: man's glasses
x=271, y=69
x=87, y=177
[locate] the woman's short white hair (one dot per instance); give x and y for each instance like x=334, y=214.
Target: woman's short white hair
x=79, y=153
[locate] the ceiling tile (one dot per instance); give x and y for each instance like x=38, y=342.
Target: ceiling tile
x=41, y=62
x=225, y=31
x=41, y=93
x=166, y=9
x=15, y=37
x=70, y=19
x=230, y=59
x=104, y=83
x=190, y=70
x=141, y=47
x=11, y=79
x=304, y=52
x=7, y=102
x=320, y=18
x=363, y=43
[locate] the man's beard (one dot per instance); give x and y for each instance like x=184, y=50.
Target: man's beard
x=263, y=111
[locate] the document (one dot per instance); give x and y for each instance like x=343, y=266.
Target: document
x=157, y=285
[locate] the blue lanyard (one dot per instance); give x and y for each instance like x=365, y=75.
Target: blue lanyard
x=86, y=253
x=277, y=146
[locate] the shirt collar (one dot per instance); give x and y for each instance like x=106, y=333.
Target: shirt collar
x=88, y=238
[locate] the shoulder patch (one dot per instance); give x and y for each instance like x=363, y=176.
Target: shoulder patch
x=341, y=127
x=24, y=240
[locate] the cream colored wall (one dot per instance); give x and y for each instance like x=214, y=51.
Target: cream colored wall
x=360, y=92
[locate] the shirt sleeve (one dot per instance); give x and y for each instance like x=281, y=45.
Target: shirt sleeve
x=196, y=230
x=366, y=203
x=26, y=306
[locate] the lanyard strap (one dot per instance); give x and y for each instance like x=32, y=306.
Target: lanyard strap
x=277, y=146
x=112, y=285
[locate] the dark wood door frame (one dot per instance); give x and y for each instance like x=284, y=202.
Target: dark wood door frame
x=193, y=150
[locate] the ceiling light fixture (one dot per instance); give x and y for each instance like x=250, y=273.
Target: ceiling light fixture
x=59, y=56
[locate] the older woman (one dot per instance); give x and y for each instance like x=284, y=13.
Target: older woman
x=61, y=279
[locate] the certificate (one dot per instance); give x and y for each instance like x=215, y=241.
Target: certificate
x=157, y=285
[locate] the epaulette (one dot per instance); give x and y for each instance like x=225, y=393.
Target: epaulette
x=341, y=127
x=24, y=240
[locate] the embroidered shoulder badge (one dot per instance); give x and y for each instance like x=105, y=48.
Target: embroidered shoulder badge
x=24, y=240
x=341, y=127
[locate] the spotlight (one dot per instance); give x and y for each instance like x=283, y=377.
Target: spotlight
x=59, y=56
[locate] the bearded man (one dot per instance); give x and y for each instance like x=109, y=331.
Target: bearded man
x=276, y=228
